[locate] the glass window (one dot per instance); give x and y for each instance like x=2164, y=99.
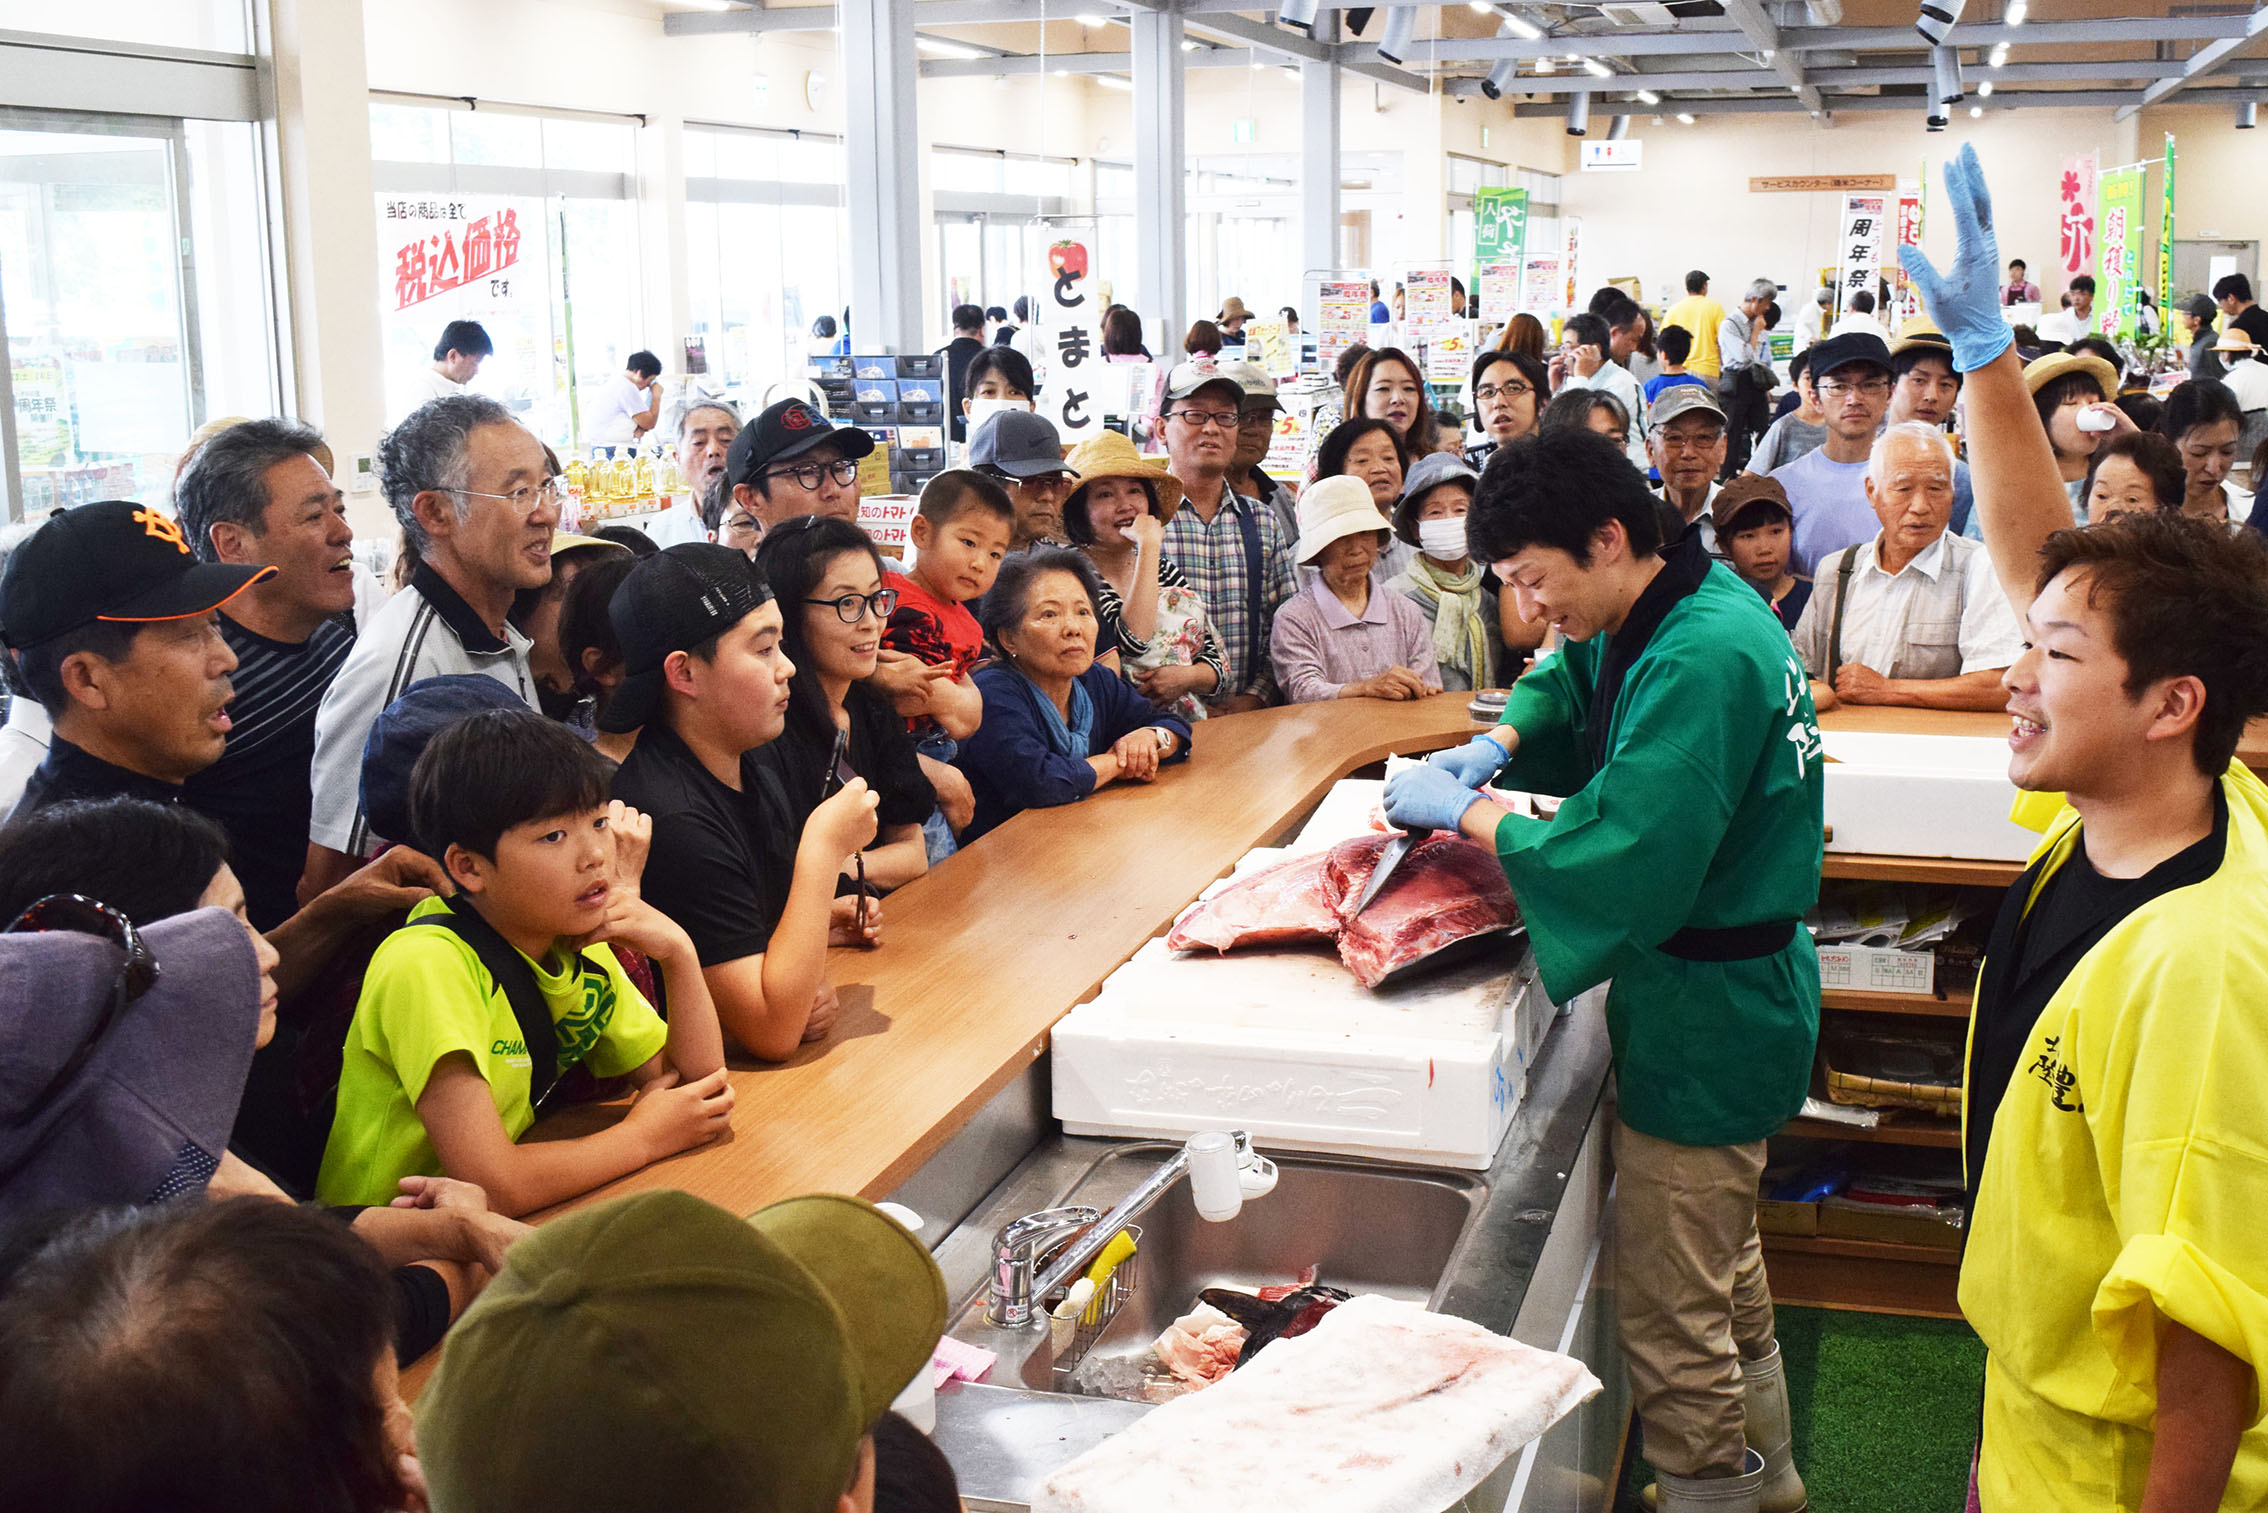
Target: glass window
x=134, y=278
x=408, y=134
x=762, y=262
x=494, y=139
x=212, y=25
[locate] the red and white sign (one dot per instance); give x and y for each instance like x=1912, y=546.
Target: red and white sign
x=2075, y=221
x=440, y=245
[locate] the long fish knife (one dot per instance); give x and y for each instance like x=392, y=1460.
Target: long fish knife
x=1388, y=860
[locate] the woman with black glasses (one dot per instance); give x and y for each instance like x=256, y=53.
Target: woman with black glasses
x=833, y=610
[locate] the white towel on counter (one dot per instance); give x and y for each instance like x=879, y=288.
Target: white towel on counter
x=1381, y=1408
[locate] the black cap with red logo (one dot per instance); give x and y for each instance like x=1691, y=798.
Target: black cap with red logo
x=788, y=429
x=112, y=560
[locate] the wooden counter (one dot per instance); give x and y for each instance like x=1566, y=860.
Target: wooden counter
x=981, y=957
x=2252, y=749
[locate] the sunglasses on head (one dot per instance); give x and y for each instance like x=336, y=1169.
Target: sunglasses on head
x=137, y=971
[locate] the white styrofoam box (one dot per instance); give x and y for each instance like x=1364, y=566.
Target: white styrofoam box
x=1878, y=969
x=1922, y=795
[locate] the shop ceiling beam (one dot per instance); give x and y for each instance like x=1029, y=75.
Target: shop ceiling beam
x=2202, y=62
x=1388, y=73
x=1827, y=80
x=2031, y=34
x=1077, y=63
x=1319, y=92
x=881, y=148
x=1160, y=177
x=1688, y=41
x=1764, y=36
x=1275, y=39
x=1787, y=105
x=821, y=18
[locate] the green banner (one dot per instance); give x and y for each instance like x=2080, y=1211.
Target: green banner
x=2165, y=240
x=2118, y=248
x=1500, y=227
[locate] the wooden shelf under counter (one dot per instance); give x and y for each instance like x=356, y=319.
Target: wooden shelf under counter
x=1949, y=871
x=1899, y=1126
x=1869, y=1276
x=1862, y=1001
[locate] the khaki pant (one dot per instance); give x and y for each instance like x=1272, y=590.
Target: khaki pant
x=1690, y=1288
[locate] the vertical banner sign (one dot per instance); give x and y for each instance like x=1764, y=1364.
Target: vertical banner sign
x=2165, y=237
x=1859, y=248
x=1072, y=393
x=1342, y=319
x=1500, y=229
x=1571, y=248
x=2075, y=223
x=2119, y=267
x=1905, y=295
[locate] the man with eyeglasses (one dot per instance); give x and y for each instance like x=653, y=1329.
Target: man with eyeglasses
x=1685, y=434
x=1231, y=546
x=1850, y=382
x=791, y=462
x=477, y=503
x=1255, y=430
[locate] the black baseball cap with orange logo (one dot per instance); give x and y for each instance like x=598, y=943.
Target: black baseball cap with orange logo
x=787, y=430
x=111, y=560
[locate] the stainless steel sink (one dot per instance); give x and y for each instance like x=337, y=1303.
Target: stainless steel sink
x=1365, y=1226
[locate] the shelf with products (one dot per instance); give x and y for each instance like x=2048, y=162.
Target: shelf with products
x=1898, y=1127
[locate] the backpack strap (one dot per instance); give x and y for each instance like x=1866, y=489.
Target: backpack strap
x=1255, y=584
x=509, y=970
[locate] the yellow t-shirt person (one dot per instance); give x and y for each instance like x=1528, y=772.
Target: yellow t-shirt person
x=426, y=996
x=1700, y=316
x=2124, y=1186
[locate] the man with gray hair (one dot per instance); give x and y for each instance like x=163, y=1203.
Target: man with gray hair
x=1745, y=376
x=1914, y=617
x=256, y=494
x=705, y=429
x=478, y=504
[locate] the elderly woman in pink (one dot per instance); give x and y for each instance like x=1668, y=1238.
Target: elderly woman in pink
x=1344, y=636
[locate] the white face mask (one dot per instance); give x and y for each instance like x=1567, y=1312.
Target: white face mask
x=981, y=410
x=1444, y=539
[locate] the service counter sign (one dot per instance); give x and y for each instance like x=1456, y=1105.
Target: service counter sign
x=1071, y=393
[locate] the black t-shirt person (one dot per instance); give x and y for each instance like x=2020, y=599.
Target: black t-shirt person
x=721, y=861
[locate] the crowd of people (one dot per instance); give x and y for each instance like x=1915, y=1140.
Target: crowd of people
x=569, y=817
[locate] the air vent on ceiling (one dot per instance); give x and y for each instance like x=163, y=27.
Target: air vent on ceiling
x=1646, y=13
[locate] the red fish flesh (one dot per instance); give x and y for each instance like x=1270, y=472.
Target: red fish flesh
x=1446, y=890
x=1284, y=904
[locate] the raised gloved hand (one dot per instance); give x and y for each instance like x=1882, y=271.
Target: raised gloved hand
x=1427, y=797
x=1474, y=763
x=1965, y=299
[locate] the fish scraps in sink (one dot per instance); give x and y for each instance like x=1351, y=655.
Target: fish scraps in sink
x=1224, y=1331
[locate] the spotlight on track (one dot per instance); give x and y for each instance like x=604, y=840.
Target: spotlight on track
x=1937, y=18
x=1500, y=78
x=1579, y=113
x=2248, y=115
x=1401, y=26
x=1937, y=118
x=1299, y=14
x=1618, y=128
x=1945, y=74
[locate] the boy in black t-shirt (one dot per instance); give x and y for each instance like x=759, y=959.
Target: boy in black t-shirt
x=707, y=685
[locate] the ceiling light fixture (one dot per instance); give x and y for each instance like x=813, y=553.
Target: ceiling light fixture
x=1188, y=46
x=1543, y=65
x=1937, y=18
x=1401, y=28
x=1767, y=55
x=1500, y=78
x=938, y=47
x=1090, y=20
x=1579, y=113
x=1648, y=97
x=1975, y=111
x=1945, y=74
x=2247, y=115
x=2017, y=11
x=1685, y=118
x=1984, y=90
x=1480, y=7
x=1115, y=81
x=1999, y=55
x=1299, y=15
x=1521, y=26
x=1596, y=69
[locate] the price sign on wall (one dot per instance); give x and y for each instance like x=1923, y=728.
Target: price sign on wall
x=1071, y=394
x=442, y=244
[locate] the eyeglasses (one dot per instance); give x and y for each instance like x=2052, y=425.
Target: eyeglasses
x=1688, y=441
x=1225, y=419
x=137, y=970
x=1487, y=392
x=812, y=474
x=1872, y=388
x=523, y=499
x=851, y=608
x=743, y=525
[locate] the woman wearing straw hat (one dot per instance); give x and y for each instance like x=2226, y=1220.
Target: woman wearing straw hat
x=1343, y=636
x=1152, y=624
x=1442, y=579
x=2067, y=386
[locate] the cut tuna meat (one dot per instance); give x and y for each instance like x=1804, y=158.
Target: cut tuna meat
x=1444, y=891
x=1284, y=904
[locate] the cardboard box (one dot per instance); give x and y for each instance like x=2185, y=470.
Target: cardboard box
x=921, y=365
x=1777, y=1218
x=1876, y=970
x=1922, y=795
x=1849, y=1219
x=874, y=365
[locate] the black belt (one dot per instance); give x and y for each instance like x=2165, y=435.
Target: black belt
x=1734, y=943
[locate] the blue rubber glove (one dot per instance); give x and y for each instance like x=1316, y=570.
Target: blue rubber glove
x=1474, y=763
x=1427, y=797
x=1965, y=299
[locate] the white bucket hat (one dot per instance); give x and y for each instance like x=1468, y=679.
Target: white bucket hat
x=1332, y=508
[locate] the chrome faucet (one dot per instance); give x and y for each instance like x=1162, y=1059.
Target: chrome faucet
x=1223, y=1171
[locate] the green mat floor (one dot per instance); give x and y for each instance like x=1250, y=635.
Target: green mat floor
x=1885, y=1411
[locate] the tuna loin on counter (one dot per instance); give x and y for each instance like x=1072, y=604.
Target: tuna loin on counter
x=1447, y=890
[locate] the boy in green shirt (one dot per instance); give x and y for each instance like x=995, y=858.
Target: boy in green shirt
x=470, y=1010
x=1677, y=725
